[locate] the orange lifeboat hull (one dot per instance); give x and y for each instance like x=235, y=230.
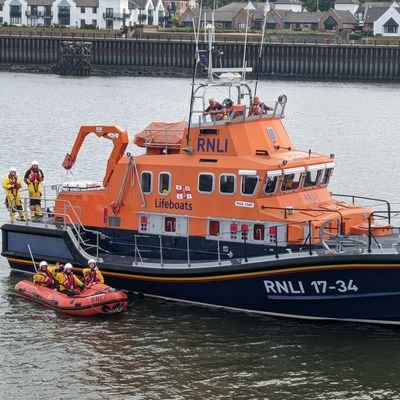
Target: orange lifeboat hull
x=95, y=299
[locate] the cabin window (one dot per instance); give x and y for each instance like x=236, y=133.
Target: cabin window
x=291, y=182
x=249, y=185
x=312, y=178
x=271, y=134
x=326, y=176
x=164, y=183
x=170, y=224
x=227, y=184
x=206, y=183
x=213, y=228
x=147, y=182
x=270, y=184
x=259, y=232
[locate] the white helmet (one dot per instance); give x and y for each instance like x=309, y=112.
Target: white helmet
x=68, y=266
x=13, y=169
x=91, y=261
x=34, y=162
x=43, y=264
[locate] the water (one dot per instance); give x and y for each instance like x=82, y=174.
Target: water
x=160, y=350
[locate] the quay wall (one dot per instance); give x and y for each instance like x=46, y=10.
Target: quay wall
x=297, y=60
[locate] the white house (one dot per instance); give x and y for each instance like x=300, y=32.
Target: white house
x=113, y=14
x=146, y=12
x=389, y=22
x=290, y=5
x=347, y=5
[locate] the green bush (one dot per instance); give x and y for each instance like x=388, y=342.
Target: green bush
x=355, y=36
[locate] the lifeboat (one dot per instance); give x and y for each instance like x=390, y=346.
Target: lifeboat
x=95, y=299
x=222, y=210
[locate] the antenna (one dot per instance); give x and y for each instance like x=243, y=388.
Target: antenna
x=195, y=62
x=249, y=7
x=266, y=9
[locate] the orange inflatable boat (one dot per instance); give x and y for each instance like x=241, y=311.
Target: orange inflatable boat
x=95, y=299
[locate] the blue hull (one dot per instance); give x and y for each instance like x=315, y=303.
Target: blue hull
x=358, y=292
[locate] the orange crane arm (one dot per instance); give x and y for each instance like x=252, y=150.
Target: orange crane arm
x=120, y=140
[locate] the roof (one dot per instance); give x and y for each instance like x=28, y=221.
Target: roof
x=296, y=2
x=141, y=3
x=347, y=2
x=346, y=16
x=87, y=3
x=373, y=13
x=303, y=17
x=391, y=22
x=38, y=2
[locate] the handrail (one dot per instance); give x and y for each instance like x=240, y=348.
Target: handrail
x=370, y=234
x=353, y=197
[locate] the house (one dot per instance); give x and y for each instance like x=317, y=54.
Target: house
x=146, y=12
x=288, y=5
x=388, y=23
x=191, y=15
x=302, y=20
x=347, y=5
x=370, y=13
x=337, y=21
x=177, y=8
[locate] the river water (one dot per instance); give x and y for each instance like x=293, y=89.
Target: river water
x=161, y=350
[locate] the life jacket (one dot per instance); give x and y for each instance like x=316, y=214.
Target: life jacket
x=69, y=282
x=48, y=278
x=92, y=277
x=255, y=109
x=34, y=177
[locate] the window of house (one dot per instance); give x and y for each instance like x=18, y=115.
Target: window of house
x=170, y=224
x=94, y=23
x=82, y=10
x=83, y=23
x=227, y=184
x=292, y=179
x=164, y=183
x=390, y=26
x=147, y=182
x=249, y=185
x=1, y=8
x=109, y=12
x=213, y=228
x=94, y=10
x=206, y=183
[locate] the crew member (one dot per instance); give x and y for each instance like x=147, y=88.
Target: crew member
x=215, y=110
x=43, y=276
x=56, y=269
x=258, y=107
x=68, y=281
x=34, y=178
x=12, y=185
x=92, y=274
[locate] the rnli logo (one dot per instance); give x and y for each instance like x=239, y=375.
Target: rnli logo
x=212, y=145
